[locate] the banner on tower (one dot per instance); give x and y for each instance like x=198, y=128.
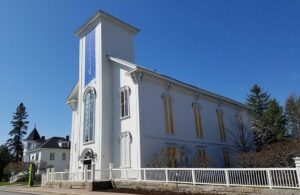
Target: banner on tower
x=89, y=57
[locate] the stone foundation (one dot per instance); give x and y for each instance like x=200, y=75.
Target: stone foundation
x=194, y=189
x=69, y=185
x=173, y=187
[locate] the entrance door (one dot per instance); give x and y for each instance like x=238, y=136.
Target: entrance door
x=88, y=163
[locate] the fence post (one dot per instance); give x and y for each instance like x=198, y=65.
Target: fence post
x=47, y=174
x=85, y=172
x=193, y=177
x=166, y=172
x=110, y=167
x=145, y=178
x=93, y=172
x=297, y=165
x=269, y=178
x=52, y=173
x=226, y=177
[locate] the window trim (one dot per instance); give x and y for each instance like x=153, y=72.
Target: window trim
x=198, y=120
x=64, y=156
x=50, y=156
x=221, y=124
x=125, y=149
x=122, y=90
x=226, y=157
x=202, y=150
x=87, y=90
x=168, y=112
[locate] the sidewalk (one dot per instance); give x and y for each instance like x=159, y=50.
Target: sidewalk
x=54, y=191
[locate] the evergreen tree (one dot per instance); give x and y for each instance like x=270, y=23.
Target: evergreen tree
x=19, y=124
x=274, y=122
x=292, y=114
x=258, y=100
x=4, y=160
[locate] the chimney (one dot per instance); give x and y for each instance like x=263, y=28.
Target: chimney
x=67, y=138
x=43, y=138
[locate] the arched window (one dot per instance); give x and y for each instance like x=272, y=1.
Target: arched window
x=125, y=139
x=89, y=115
x=124, y=100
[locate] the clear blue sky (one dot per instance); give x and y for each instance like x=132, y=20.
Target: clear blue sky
x=221, y=46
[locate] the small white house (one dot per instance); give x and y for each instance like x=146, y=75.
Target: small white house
x=47, y=153
x=125, y=114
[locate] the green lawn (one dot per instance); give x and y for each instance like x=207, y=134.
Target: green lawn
x=8, y=184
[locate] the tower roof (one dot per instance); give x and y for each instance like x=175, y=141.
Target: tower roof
x=101, y=15
x=34, y=135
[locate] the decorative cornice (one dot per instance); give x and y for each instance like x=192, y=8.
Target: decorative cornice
x=197, y=95
x=96, y=19
x=137, y=77
x=168, y=86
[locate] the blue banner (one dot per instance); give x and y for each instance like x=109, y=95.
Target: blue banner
x=89, y=57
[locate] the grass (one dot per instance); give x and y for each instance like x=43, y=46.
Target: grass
x=9, y=184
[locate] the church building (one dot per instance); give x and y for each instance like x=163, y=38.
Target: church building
x=133, y=117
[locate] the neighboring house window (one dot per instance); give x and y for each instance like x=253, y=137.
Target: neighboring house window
x=169, y=123
x=198, y=122
x=221, y=124
x=89, y=115
x=202, y=157
x=124, y=98
x=32, y=157
x=64, y=145
x=171, y=156
x=226, y=158
x=29, y=146
x=63, y=156
x=52, y=156
x=126, y=140
x=37, y=157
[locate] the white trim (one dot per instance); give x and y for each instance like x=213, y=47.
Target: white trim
x=120, y=61
x=96, y=19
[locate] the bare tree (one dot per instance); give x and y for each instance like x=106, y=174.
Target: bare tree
x=172, y=156
x=240, y=135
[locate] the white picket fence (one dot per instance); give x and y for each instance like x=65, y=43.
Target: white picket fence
x=253, y=177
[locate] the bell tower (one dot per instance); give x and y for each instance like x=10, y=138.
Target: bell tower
x=101, y=36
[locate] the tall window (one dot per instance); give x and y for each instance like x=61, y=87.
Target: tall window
x=63, y=156
x=226, y=158
x=221, y=124
x=52, y=156
x=168, y=114
x=89, y=115
x=125, y=140
x=198, y=122
x=202, y=157
x=171, y=156
x=124, y=98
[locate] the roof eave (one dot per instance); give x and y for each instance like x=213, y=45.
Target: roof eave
x=73, y=93
x=95, y=19
x=216, y=96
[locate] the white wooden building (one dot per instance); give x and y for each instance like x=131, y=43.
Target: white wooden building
x=125, y=114
x=53, y=152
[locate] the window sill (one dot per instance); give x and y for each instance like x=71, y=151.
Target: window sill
x=172, y=134
x=125, y=117
x=125, y=167
x=88, y=143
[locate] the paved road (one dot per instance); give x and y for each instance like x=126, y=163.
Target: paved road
x=57, y=192
x=13, y=193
